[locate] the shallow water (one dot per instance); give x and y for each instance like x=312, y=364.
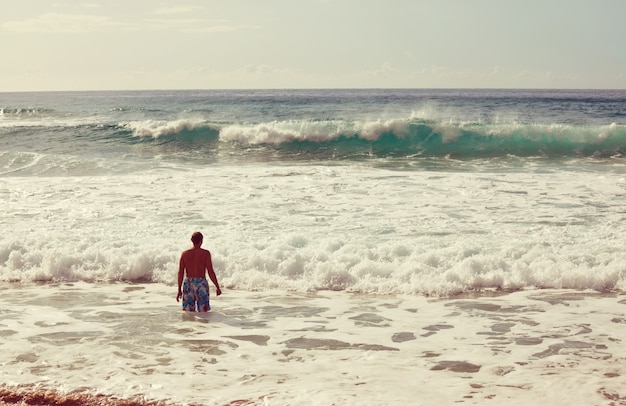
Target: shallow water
x=274, y=348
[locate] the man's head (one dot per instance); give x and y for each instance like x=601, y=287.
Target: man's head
x=196, y=238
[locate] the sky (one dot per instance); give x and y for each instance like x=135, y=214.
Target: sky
x=256, y=44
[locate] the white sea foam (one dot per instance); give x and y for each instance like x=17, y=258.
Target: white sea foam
x=277, y=132
x=306, y=228
x=159, y=128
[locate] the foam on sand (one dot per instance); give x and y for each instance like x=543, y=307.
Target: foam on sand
x=555, y=346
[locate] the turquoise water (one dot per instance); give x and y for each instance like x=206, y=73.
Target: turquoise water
x=204, y=126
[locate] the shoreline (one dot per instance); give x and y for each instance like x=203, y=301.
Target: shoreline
x=484, y=293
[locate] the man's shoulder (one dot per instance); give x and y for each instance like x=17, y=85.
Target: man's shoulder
x=192, y=250
x=187, y=253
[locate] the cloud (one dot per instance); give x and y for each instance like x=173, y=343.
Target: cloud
x=497, y=77
x=191, y=25
x=75, y=23
x=175, y=10
x=262, y=69
x=59, y=23
x=384, y=70
x=195, y=25
x=220, y=28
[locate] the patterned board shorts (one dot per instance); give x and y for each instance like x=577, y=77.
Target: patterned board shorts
x=196, y=291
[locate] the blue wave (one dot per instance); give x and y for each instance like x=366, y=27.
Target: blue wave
x=325, y=139
x=476, y=141
x=430, y=139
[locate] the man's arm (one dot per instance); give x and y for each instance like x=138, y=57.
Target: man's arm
x=212, y=276
x=181, y=276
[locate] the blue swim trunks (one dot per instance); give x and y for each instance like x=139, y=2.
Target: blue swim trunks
x=196, y=292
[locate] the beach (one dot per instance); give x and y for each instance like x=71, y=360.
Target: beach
x=562, y=347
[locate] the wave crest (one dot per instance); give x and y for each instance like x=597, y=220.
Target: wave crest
x=159, y=128
x=414, y=138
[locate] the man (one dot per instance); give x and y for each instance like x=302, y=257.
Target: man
x=195, y=289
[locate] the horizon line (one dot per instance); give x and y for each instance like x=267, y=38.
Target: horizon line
x=315, y=88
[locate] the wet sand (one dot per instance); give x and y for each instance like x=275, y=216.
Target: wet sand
x=11, y=396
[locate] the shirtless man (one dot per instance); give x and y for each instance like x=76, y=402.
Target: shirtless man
x=195, y=289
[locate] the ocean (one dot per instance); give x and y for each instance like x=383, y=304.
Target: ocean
x=375, y=246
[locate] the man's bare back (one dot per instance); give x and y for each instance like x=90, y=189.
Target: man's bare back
x=196, y=261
